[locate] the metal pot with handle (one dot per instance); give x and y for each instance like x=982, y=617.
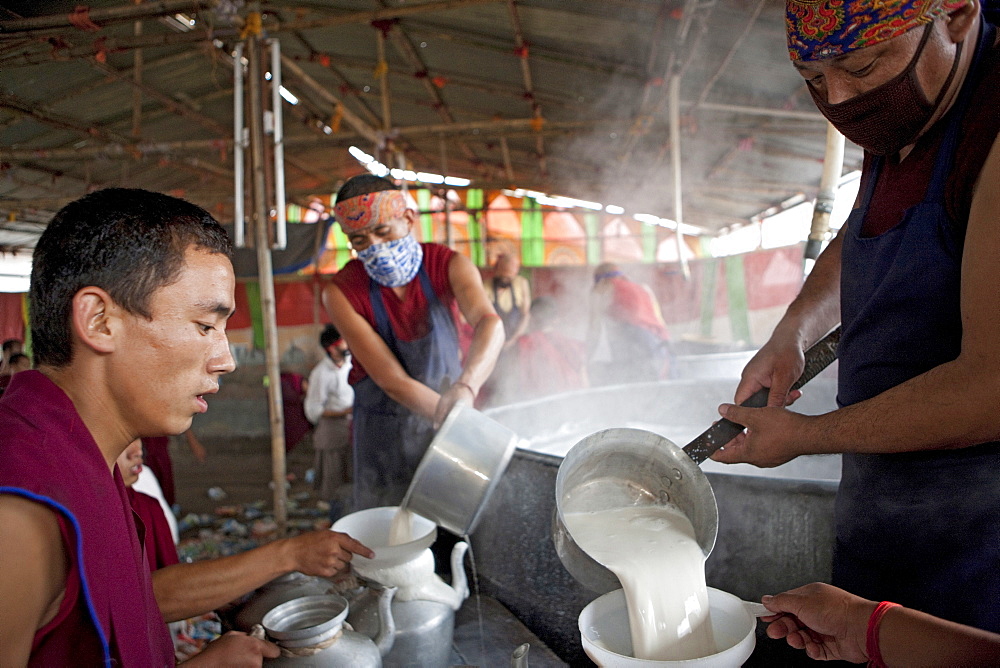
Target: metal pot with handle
x=627, y=467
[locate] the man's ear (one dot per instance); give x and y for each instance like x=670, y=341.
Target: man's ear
x=94, y=313
x=962, y=21
x=411, y=217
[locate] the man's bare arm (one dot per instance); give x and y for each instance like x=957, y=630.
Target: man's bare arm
x=186, y=590
x=951, y=405
x=32, y=574
x=487, y=335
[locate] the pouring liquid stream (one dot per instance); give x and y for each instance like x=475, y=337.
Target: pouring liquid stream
x=401, y=531
x=654, y=553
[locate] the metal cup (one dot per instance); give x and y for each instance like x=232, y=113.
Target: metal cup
x=460, y=470
x=617, y=468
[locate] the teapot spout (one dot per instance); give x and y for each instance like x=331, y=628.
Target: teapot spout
x=387, y=625
x=459, y=582
x=519, y=659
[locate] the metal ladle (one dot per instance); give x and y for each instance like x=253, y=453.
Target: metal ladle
x=623, y=467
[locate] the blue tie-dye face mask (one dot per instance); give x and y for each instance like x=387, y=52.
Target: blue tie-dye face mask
x=393, y=263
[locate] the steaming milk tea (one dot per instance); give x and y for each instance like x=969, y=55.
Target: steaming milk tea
x=654, y=552
x=401, y=529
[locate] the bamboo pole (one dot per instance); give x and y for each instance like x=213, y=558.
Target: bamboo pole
x=521, y=48
x=383, y=80
x=508, y=166
x=136, y=88
x=265, y=276
x=353, y=120
x=833, y=165
x=675, y=154
x=10, y=28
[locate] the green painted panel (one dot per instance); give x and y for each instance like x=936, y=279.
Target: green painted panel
x=736, y=288
x=256, y=313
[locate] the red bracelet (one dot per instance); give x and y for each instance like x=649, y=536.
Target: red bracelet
x=467, y=386
x=871, y=640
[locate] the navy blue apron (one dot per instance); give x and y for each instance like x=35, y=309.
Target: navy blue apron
x=919, y=528
x=389, y=439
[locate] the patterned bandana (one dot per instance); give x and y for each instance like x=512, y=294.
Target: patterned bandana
x=393, y=263
x=359, y=212
x=825, y=28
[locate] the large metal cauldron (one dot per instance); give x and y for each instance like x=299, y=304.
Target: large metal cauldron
x=775, y=525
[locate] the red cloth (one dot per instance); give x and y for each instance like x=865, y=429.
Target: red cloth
x=292, y=401
x=115, y=616
x=157, y=539
x=156, y=455
x=407, y=317
x=633, y=304
x=11, y=316
x=549, y=363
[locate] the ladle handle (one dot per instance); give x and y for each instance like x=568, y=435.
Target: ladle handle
x=819, y=356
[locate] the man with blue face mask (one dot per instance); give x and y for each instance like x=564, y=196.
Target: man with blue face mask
x=397, y=306
x=912, y=278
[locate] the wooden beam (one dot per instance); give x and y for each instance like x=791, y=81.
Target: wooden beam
x=358, y=124
x=25, y=28
x=17, y=105
x=41, y=53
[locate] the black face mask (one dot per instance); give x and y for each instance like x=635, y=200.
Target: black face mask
x=885, y=119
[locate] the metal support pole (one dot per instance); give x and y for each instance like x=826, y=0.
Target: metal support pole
x=239, y=139
x=449, y=233
x=675, y=156
x=833, y=165
x=265, y=275
x=280, y=232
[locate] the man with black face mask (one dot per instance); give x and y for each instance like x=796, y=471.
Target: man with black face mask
x=397, y=307
x=912, y=279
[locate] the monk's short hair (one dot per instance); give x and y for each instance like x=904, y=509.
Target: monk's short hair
x=362, y=184
x=126, y=241
x=329, y=336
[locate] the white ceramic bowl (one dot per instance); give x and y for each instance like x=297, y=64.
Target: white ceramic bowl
x=607, y=639
x=371, y=527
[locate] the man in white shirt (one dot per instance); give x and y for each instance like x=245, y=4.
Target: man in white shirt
x=329, y=399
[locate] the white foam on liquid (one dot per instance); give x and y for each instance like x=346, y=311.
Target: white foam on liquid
x=654, y=553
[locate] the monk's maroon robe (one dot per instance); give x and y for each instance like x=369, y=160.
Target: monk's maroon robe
x=48, y=455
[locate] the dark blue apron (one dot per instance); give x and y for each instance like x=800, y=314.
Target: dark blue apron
x=919, y=528
x=389, y=439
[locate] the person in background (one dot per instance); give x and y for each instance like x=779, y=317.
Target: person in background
x=11, y=347
x=627, y=340
x=911, y=277
x=293, y=394
x=328, y=405
x=156, y=454
x=184, y=590
x=542, y=362
x=510, y=294
x=130, y=293
x=18, y=362
x=397, y=306
x=832, y=624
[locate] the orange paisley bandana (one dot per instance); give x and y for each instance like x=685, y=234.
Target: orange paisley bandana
x=359, y=212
